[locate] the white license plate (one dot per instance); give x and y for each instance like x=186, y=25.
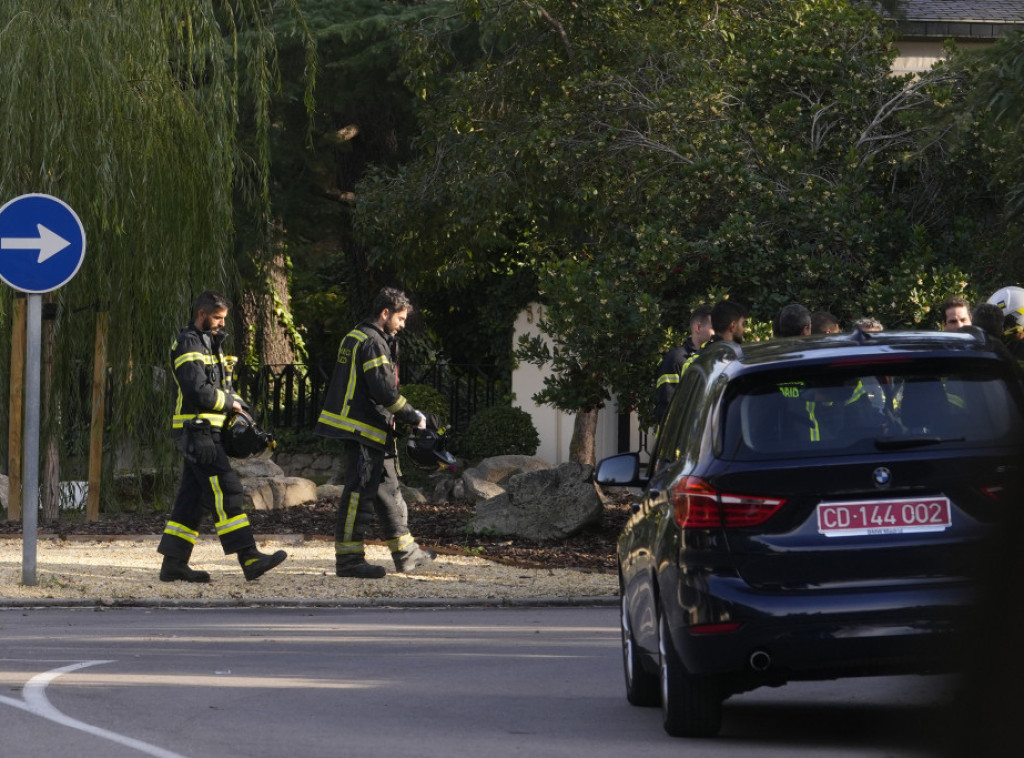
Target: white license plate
x=868, y=517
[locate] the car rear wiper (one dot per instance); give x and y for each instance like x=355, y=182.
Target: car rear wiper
x=898, y=443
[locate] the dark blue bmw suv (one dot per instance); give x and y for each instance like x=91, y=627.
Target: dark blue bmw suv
x=815, y=508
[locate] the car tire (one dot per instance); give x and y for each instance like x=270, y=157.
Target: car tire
x=642, y=687
x=691, y=706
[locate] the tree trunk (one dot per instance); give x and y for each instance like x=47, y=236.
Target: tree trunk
x=262, y=331
x=583, y=448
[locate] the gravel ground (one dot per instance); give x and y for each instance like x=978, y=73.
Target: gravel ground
x=114, y=562
x=125, y=571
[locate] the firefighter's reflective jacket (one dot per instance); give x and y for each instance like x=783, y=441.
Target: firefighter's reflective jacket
x=363, y=397
x=202, y=378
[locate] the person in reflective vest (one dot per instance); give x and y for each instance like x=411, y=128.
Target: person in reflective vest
x=361, y=406
x=208, y=483
x=671, y=366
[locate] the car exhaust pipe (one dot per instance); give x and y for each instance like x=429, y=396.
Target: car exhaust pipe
x=760, y=661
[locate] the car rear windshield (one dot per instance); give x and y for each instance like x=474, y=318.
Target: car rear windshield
x=853, y=409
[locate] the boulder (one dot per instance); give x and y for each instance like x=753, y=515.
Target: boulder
x=545, y=504
x=488, y=478
x=329, y=491
x=266, y=488
x=251, y=468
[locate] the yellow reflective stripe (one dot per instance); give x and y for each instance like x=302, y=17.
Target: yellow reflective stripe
x=231, y=525
x=201, y=357
x=858, y=393
x=667, y=379
x=351, y=425
x=350, y=516
x=400, y=543
x=218, y=498
x=180, y=530
x=381, y=360
x=222, y=398
x=815, y=429
x=956, y=400
x=398, y=405
x=215, y=419
x=348, y=548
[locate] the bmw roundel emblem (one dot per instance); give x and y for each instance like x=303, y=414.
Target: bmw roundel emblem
x=882, y=476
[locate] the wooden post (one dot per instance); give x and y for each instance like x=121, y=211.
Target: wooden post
x=99, y=412
x=16, y=404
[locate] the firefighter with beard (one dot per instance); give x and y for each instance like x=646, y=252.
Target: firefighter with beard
x=208, y=483
x=363, y=403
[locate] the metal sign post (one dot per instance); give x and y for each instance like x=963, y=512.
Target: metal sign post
x=30, y=470
x=42, y=245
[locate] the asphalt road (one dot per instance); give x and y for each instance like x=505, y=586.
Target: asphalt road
x=306, y=683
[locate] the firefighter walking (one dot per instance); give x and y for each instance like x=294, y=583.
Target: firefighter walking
x=208, y=483
x=362, y=403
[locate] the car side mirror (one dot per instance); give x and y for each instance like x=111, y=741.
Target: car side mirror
x=620, y=471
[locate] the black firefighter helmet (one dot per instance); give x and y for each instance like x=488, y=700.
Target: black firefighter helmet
x=426, y=448
x=242, y=438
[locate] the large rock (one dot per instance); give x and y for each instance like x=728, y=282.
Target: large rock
x=488, y=478
x=547, y=504
x=266, y=488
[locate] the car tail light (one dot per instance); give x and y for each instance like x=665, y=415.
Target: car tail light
x=698, y=505
x=995, y=492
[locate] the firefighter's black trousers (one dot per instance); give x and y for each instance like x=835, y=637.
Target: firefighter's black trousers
x=214, y=489
x=371, y=488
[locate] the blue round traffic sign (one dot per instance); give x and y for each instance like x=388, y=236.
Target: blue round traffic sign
x=42, y=243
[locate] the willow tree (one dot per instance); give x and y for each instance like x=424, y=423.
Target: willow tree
x=128, y=112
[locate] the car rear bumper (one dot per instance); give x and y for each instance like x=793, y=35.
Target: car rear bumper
x=822, y=634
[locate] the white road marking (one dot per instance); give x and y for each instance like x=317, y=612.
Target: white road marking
x=34, y=701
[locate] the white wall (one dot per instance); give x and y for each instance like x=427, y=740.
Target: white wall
x=553, y=426
x=918, y=57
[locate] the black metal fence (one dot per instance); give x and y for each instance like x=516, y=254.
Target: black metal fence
x=291, y=396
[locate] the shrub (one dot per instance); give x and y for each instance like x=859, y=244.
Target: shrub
x=499, y=430
x=425, y=398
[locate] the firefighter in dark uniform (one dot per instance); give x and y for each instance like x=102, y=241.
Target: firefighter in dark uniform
x=673, y=361
x=361, y=407
x=208, y=483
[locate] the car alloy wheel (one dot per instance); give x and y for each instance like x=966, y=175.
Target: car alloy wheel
x=691, y=706
x=642, y=687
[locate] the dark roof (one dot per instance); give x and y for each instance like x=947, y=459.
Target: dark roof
x=959, y=19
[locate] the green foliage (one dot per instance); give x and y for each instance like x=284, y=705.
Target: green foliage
x=636, y=157
x=498, y=430
x=129, y=113
x=426, y=399
x=363, y=115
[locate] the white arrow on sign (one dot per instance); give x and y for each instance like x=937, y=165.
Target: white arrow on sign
x=48, y=243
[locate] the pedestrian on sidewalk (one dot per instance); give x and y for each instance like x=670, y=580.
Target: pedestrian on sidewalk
x=208, y=483
x=363, y=403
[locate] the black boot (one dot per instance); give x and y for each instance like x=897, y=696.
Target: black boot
x=177, y=570
x=356, y=566
x=413, y=558
x=255, y=564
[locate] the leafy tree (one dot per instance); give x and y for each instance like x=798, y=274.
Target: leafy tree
x=634, y=158
x=992, y=112
x=364, y=115
x=128, y=112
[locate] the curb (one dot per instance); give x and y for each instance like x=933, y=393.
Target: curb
x=363, y=602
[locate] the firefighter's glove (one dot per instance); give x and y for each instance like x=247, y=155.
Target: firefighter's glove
x=201, y=447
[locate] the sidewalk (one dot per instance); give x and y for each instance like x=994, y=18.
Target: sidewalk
x=123, y=571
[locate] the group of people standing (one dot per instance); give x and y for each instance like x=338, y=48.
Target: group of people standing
x=1001, y=317
x=362, y=409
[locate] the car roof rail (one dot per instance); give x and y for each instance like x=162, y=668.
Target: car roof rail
x=862, y=337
